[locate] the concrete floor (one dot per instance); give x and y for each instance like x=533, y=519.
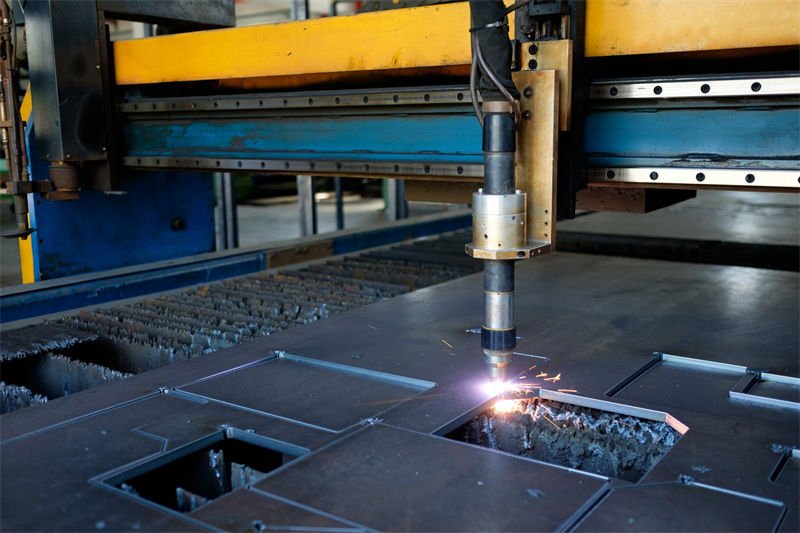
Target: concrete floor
x=268, y=223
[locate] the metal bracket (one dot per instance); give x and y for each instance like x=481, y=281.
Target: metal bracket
x=537, y=149
x=532, y=249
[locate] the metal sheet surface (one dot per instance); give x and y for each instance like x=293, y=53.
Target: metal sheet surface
x=205, y=418
x=321, y=395
x=493, y=491
x=679, y=507
x=593, y=320
x=85, y=448
x=252, y=510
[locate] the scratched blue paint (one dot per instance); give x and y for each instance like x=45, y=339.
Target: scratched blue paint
x=30, y=301
x=100, y=231
x=431, y=137
x=766, y=135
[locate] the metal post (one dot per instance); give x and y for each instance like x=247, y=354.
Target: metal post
x=300, y=9
x=306, y=193
x=337, y=186
x=227, y=221
x=391, y=199
x=142, y=29
x=400, y=197
x=220, y=241
x=397, y=207
x=231, y=216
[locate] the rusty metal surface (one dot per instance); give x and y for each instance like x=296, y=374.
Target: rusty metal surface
x=595, y=321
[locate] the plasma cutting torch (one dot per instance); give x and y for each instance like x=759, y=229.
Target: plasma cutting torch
x=498, y=209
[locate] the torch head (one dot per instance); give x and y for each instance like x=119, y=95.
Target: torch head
x=497, y=364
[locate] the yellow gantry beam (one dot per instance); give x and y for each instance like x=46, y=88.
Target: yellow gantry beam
x=409, y=41
x=435, y=39
x=625, y=27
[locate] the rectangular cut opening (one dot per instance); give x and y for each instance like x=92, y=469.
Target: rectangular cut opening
x=192, y=476
x=607, y=443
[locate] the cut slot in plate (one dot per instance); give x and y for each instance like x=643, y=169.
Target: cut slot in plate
x=772, y=390
x=325, y=395
x=681, y=383
x=787, y=471
x=595, y=436
x=190, y=477
x=706, y=386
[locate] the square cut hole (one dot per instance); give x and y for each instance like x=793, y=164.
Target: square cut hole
x=623, y=444
x=192, y=476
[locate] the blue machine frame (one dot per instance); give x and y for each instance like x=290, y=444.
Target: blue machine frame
x=101, y=231
x=155, y=216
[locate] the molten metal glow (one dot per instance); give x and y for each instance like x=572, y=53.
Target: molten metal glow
x=514, y=396
x=506, y=406
x=495, y=388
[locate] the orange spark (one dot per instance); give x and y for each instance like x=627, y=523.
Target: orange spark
x=554, y=378
x=548, y=419
x=567, y=390
x=447, y=343
x=541, y=374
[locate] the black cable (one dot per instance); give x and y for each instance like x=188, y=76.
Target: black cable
x=522, y=3
x=489, y=73
x=481, y=68
x=473, y=83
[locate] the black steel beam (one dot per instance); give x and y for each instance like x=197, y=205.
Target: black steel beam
x=197, y=14
x=66, y=79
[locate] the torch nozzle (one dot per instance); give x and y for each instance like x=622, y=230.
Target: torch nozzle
x=497, y=363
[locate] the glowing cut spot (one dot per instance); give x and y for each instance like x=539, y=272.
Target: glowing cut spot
x=506, y=406
x=495, y=388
